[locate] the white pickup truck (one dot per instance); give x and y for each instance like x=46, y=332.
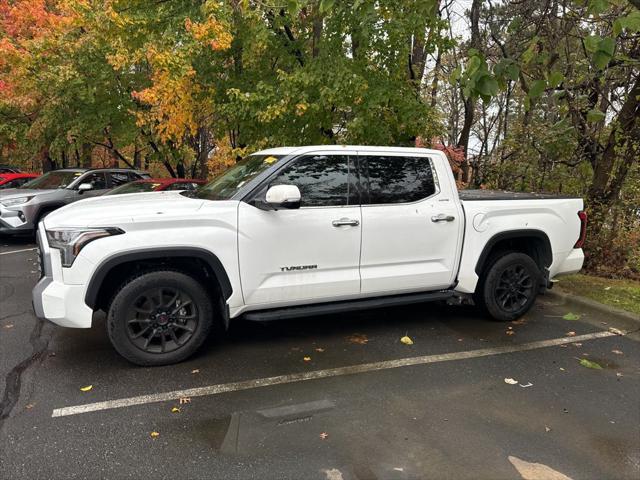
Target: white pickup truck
x=293, y=232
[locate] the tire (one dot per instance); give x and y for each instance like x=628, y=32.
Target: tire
x=509, y=286
x=160, y=317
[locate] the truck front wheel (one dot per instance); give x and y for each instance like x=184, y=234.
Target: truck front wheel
x=510, y=286
x=159, y=318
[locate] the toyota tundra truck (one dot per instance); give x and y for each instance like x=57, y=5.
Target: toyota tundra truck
x=292, y=232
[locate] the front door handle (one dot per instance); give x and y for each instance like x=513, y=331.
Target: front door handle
x=443, y=218
x=345, y=222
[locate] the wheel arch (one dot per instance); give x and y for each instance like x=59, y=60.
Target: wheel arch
x=534, y=243
x=104, y=281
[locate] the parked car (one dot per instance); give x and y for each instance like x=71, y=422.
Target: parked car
x=22, y=208
x=299, y=231
x=158, y=185
x=15, y=180
x=4, y=168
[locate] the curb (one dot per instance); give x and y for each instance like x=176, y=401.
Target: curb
x=583, y=302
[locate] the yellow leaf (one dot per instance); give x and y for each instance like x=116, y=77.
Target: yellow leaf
x=406, y=340
x=154, y=434
x=175, y=410
x=86, y=389
x=307, y=359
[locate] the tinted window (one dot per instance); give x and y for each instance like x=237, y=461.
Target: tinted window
x=119, y=178
x=96, y=179
x=180, y=186
x=399, y=179
x=54, y=179
x=323, y=180
x=135, y=187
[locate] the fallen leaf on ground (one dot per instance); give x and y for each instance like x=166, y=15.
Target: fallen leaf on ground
x=520, y=321
x=589, y=364
x=617, y=352
x=175, y=410
x=536, y=471
x=509, y=332
x=571, y=334
x=307, y=359
x=8, y=326
x=30, y=406
x=184, y=400
x=86, y=389
x=406, y=340
x=547, y=429
x=154, y=434
x=562, y=369
x=510, y=381
x=398, y=469
x=197, y=370
x=320, y=350
x=571, y=316
x=324, y=435
x=359, y=338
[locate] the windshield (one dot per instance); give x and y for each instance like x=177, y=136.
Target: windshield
x=228, y=183
x=55, y=179
x=135, y=187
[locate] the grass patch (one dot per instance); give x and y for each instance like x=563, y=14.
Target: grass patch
x=624, y=294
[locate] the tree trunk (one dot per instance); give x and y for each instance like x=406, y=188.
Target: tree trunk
x=469, y=103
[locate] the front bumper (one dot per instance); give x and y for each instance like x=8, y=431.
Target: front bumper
x=54, y=300
x=15, y=219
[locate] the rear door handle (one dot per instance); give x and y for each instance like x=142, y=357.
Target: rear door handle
x=345, y=222
x=443, y=218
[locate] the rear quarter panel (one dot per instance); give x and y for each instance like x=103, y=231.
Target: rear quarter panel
x=557, y=218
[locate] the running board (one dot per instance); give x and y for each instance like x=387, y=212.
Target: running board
x=346, y=306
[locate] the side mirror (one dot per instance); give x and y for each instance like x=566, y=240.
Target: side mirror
x=283, y=196
x=83, y=187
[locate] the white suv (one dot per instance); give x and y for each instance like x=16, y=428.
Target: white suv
x=298, y=231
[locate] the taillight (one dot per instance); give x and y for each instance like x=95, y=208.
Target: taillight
x=583, y=229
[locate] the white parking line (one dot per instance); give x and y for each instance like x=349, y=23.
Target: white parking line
x=317, y=374
x=18, y=251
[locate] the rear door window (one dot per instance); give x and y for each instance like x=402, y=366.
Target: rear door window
x=396, y=179
x=118, y=178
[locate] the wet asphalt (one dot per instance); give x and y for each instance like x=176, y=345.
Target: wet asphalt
x=449, y=420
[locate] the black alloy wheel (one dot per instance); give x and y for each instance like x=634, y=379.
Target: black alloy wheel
x=514, y=288
x=509, y=286
x=162, y=320
x=162, y=317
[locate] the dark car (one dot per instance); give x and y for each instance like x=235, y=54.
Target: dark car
x=4, y=168
x=158, y=185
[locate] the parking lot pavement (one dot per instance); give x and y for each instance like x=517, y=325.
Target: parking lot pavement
x=325, y=397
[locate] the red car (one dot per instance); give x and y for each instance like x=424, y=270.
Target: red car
x=14, y=180
x=157, y=185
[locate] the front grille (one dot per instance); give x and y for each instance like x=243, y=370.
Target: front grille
x=40, y=256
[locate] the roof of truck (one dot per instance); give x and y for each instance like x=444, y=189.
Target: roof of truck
x=367, y=148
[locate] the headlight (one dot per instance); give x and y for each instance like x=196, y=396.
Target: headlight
x=10, y=202
x=71, y=240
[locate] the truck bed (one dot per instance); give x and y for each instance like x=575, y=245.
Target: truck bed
x=478, y=195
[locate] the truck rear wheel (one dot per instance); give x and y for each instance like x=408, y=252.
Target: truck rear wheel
x=510, y=286
x=160, y=317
